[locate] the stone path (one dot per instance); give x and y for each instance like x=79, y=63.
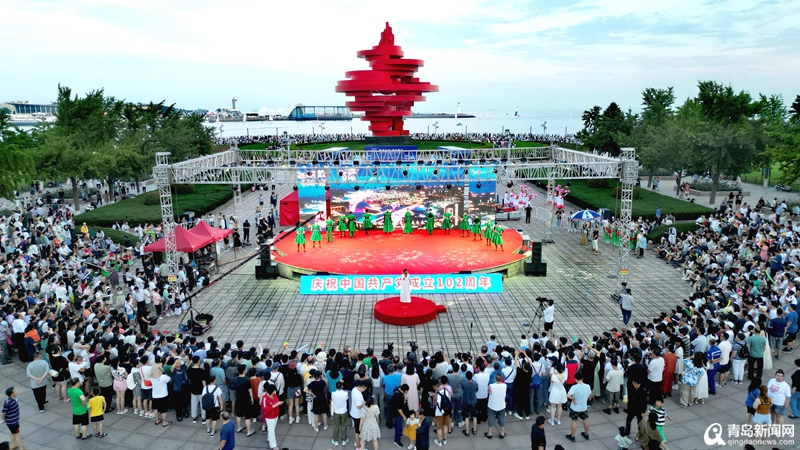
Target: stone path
x=269, y=312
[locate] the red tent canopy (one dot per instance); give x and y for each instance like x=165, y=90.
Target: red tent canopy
x=186, y=241
x=206, y=230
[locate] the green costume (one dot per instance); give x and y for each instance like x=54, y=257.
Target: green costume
x=476, y=225
x=367, y=221
x=497, y=235
x=388, y=226
x=407, y=223
x=329, y=230
x=487, y=232
x=446, y=225
x=342, y=224
x=464, y=225
x=351, y=224
x=315, y=234
x=429, y=222
x=300, y=236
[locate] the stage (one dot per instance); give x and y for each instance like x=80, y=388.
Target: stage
x=381, y=254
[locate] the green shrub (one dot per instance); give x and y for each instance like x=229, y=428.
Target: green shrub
x=118, y=236
x=601, y=183
x=705, y=186
x=152, y=198
x=617, y=193
x=659, y=232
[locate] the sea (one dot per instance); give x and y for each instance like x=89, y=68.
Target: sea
x=556, y=122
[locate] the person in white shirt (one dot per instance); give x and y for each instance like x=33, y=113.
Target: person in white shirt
x=655, y=373
x=780, y=393
x=356, y=404
x=725, y=346
x=481, y=378
x=497, y=406
x=216, y=392
x=548, y=315
x=339, y=405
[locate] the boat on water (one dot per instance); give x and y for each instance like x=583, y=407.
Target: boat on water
x=28, y=120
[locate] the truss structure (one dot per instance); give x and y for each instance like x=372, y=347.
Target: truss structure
x=447, y=165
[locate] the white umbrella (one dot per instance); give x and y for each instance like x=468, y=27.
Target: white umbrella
x=585, y=216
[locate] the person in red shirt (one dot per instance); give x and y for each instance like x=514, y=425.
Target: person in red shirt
x=270, y=407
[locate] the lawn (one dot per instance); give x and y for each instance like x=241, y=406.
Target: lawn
x=775, y=176
x=134, y=210
x=595, y=198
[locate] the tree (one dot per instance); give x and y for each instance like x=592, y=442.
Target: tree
x=722, y=133
x=16, y=164
x=654, y=134
x=607, y=131
x=773, y=113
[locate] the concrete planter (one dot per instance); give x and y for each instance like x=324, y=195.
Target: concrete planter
x=720, y=194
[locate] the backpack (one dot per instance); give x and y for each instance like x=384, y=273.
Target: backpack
x=293, y=379
x=536, y=381
x=743, y=352
x=208, y=400
x=445, y=404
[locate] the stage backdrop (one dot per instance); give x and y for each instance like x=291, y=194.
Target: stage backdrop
x=386, y=284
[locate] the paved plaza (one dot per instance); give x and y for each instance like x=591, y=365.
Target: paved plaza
x=271, y=312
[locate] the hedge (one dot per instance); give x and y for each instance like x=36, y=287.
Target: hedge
x=681, y=227
x=595, y=198
x=119, y=236
x=135, y=211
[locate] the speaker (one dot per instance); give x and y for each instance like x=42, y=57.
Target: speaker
x=536, y=251
x=605, y=213
x=266, y=256
x=264, y=272
x=465, y=272
x=536, y=269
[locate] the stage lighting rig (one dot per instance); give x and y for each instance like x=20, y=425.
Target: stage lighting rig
x=355, y=187
x=294, y=188
x=388, y=187
x=478, y=185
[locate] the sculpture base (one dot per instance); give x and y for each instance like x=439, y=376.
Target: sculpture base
x=388, y=140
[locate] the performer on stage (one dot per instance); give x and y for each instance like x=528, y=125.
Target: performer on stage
x=429, y=221
x=329, y=230
x=315, y=236
x=407, y=223
x=488, y=233
x=351, y=223
x=388, y=226
x=300, y=237
x=464, y=225
x=367, y=222
x=342, y=226
x=476, y=228
x=446, y=225
x=405, y=287
x=497, y=237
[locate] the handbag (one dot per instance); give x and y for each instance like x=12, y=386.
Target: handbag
x=145, y=381
x=130, y=382
x=8, y=340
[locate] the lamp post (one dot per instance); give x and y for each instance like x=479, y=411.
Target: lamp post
x=544, y=130
x=436, y=127
x=286, y=143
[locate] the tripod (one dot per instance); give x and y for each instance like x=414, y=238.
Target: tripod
x=536, y=320
x=190, y=311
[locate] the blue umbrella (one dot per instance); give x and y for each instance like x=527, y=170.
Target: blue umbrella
x=585, y=215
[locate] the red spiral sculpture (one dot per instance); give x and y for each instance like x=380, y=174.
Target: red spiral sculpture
x=387, y=91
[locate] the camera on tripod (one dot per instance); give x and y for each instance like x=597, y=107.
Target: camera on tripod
x=542, y=302
x=390, y=347
x=413, y=345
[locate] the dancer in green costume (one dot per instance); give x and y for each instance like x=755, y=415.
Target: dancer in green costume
x=300, y=237
x=615, y=234
x=342, y=226
x=497, y=237
x=315, y=236
x=487, y=232
x=429, y=221
x=367, y=222
x=351, y=224
x=407, y=223
x=388, y=226
x=607, y=233
x=464, y=225
x=329, y=230
x=476, y=228
x=446, y=225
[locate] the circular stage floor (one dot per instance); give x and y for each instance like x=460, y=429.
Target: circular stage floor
x=419, y=252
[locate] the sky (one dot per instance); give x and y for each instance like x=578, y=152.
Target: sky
x=488, y=55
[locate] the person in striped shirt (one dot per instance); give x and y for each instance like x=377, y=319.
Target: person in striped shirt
x=11, y=417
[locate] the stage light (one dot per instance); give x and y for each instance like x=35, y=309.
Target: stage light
x=399, y=163
x=335, y=162
x=341, y=172
x=356, y=187
x=405, y=172
x=388, y=187
x=478, y=185
x=439, y=161
x=315, y=162
x=292, y=162
x=377, y=163
x=510, y=183
x=449, y=186
x=309, y=173
x=494, y=171
x=270, y=163
x=483, y=161
x=435, y=171
x=420, y=163
x=327, y=188
x=356, y=163
x=294, y=188
x=523, y=160
x=466, y=171
x=461, y=161
x=419, y=186
x=504, y=160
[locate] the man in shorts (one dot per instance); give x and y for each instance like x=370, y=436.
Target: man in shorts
x=216, y=392
x=469, y=389
x=80, y=411
x=11, y=417
x=441, y=417
x=579, y=395
x=356, y=404
x=496, y=406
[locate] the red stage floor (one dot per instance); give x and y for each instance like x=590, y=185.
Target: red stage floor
x=420, y=253
x=419, y=311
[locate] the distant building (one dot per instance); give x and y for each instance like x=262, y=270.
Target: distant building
x=301, y=112
x=16, y=107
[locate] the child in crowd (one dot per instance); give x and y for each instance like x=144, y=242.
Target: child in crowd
x=658, y=408
x=410, y=430
x=97, y=405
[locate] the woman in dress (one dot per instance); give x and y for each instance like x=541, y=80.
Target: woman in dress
x=412, y=380
x=342, y=227
x=488, y=233
x=446, y=224
x=407, y=229
x=329, y=230
x=558, y=395
x=464, y=225
x=319, y=391
x=405, y=287
x=476, y=228
x=367, y=221
x=497, y=237
x=388, y=226
x=429, y=221
x=370, y=431
x=702, y=382
x=119, y=374
x=300, y=237
x=316, y=236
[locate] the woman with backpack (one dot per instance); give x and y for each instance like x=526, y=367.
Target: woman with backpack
x=523, y=381
x=739, y=353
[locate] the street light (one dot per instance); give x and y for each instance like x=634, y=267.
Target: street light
x=436, y=127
